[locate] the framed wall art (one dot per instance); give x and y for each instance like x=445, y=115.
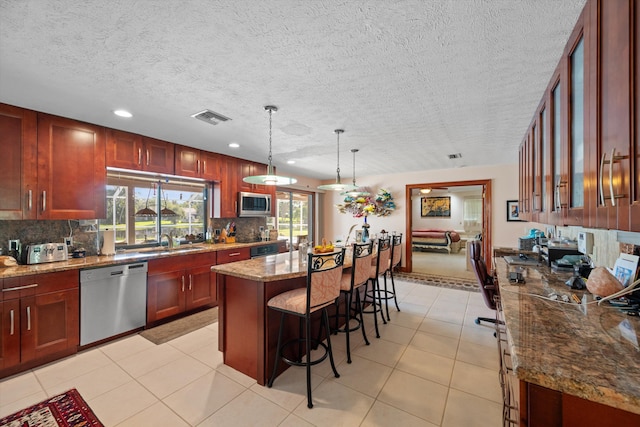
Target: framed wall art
x=513, y=210
x=436, y=207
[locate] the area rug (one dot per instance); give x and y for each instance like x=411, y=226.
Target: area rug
x=441, y=281
x=64, y=410
x=177, y=328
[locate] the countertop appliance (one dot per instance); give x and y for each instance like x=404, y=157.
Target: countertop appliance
x=254, y=204
x=45, y=252
x=264, y=250
x=113, y=300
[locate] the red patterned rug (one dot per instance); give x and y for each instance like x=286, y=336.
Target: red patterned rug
x=64, y=410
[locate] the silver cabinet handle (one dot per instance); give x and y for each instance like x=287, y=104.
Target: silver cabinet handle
x=11, y=328
x=44, y=200
x=198, y=166
x=19, y=288
x=28, y=318
x=234, y=254
x=603, y=200
x=204, y=166
x=30, y=200
x=148, y=160
x=613, y=199
x=140, y=156
x=190, y=281
x=183, y=283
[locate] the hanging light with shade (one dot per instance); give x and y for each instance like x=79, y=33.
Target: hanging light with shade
x=270, y=178
x=147, y=211
x=166, y=211
x=357, y=191
x=338, y=185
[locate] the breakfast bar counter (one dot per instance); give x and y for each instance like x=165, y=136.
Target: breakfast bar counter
x=583, y=358
x=248, y=330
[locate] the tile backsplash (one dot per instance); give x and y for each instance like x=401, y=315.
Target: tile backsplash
x=86, y=237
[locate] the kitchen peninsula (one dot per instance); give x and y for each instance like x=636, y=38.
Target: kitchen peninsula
x=573, y=365
x=248, y=331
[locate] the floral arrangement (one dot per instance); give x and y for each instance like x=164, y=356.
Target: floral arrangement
x=380, y=204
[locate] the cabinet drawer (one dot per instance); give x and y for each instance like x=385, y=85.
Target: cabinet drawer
x=181, y=262
x=17, y=287
x=232, y=255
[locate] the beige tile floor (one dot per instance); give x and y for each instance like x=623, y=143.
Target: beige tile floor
x=432, y=366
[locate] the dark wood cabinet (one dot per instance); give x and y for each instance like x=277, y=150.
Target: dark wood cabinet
x=612, y=148
x=18, y=139
x=589, y=164
x=196, y=163
x=40, y=319
x=49, y=161
x=634, y=202
x=131, y=151
x=71, y=169
x=180, y=284
x=227, y=189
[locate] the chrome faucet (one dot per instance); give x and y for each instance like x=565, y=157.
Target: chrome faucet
x=169, y=240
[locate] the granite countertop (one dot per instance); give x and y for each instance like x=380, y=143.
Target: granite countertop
x=269, y=268
x=128, y=256
x=593, y=355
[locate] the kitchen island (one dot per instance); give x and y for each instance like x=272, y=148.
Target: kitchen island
x=248, y=330
x=575, y=364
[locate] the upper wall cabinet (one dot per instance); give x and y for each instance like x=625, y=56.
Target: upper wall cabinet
x=53, y=168
x=614, y=145
x=589, y=162
x=197, y=163
x=130, y=151
x=71, y=169
x=18, y=185
x=634, y=208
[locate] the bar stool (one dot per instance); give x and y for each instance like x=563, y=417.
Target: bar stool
x=350, y=284
x=324, y=272
x=396, y=257
x=378, y=267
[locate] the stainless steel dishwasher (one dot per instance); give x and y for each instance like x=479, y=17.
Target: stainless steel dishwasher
x=113, y=300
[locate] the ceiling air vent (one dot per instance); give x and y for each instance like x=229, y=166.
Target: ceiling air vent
x=210, y=117
x=455, y=156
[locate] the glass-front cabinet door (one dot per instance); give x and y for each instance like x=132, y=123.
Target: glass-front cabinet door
x=613, y=147
x=558, y=176
x=577, y=55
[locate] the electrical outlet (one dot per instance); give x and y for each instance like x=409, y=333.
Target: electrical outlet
x=68, y=241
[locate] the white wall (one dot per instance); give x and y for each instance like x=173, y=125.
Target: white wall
x=504, y=182
x=455, y=222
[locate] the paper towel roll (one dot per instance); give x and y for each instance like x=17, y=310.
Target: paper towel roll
x=109, y=242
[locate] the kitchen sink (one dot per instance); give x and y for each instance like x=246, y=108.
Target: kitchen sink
x=162, y=250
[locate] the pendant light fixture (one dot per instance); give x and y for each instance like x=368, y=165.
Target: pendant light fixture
x=146, y=211
x=166, y=211
x=338, y=185
x=356, y=192
x=270, y=178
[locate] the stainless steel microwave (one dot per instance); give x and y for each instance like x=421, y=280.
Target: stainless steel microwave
x=254, y=204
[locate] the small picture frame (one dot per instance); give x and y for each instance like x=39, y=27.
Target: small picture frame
x=358, y=236
x=513, y=210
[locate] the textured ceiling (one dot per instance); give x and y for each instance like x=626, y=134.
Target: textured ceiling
x=410, y=81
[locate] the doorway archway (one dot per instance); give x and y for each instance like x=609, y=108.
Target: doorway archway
x=486, y=216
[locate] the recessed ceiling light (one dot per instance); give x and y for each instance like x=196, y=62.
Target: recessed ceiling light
x=234, y=145
x=290, y=162
x=123, y=113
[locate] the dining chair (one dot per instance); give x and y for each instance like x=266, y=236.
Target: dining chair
x=324, y=273
x=350, y=285
x=487, y=283
x=378, y=266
